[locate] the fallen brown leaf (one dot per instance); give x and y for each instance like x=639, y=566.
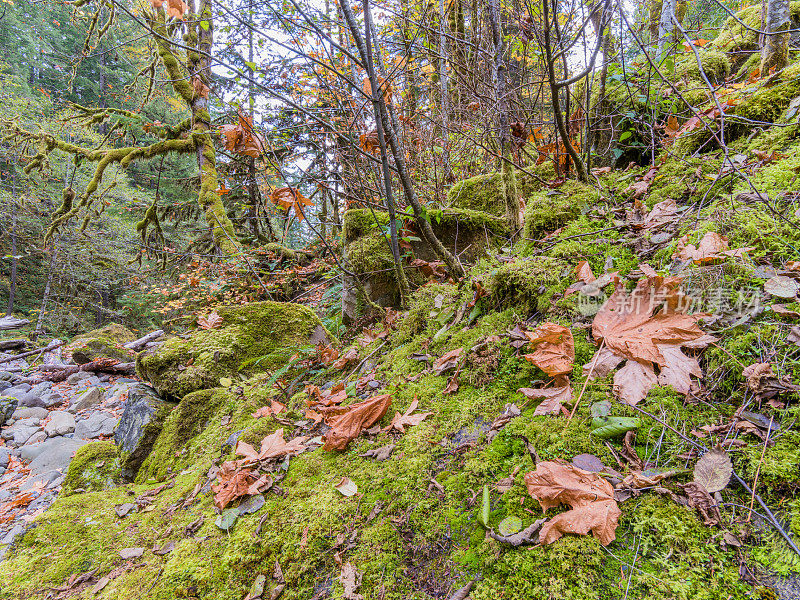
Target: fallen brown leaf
x=447, y=361
x=554, y=348
x=347, y=422
x=552, y=398
x=590, y=497
x=400, y=422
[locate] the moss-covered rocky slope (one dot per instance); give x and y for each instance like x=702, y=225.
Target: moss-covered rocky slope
x=412, y=531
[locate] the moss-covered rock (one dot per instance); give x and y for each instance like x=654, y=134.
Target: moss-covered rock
x=357, y=222
x=106, y=342
x=96, y=467
x=528, y=283
x=551, y=209
x=483, y=193
x=716, y=66
x=252, y=338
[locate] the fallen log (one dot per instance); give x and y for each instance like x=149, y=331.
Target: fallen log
x=12, y=323
x=12, y=344
x=51, y=346
x=101, y=365
x=144, y=340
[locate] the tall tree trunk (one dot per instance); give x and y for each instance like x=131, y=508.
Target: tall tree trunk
x=253, y=193
x=665, y=27
x=47, y=287
x=12, y=283
x=775, y=52
x=499, y=69
x=199, y=66
x=444, y=91
x=377, y=94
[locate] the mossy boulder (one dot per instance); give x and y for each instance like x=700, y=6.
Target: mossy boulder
x=483, y=193
x=547, y=210
x=253, y=338
x=716, y=66
x=106, y=342
x=529, y=283
x=96, y=467
x=179, y=428
x=357, y=222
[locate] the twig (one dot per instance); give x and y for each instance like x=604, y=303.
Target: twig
x=586, y=381
x=758, y=469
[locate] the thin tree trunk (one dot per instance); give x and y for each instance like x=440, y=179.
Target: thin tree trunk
x=775, y=52
x=12, y=285
x=665, y=27
x=444, y=92
x=499, y=69
x=377, y=95
x=47, y=288
x=390, y=129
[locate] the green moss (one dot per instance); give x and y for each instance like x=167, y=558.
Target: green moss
x=173, y=446
x=768, y=102
x=469, y=220
x=528, y=283
x=357, y=222
x=253, y=338
x=716, y=66
x=370, y=255
x=106, y=342
x=551, y=209
x=482, y=193
x=96, y=467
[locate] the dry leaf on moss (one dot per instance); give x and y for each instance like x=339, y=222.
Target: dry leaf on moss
x=713, y=470
x=272, y=446
x=348, y=357
x=350, y=579
x=401, y=421
x=712, y=247
x=212, y=321
x=633, y=325
x=591, y=498
x=447, y=361
x=552, y=398
x=554, y=348
x=763, y=382
x=633, y=381
x=347, y=422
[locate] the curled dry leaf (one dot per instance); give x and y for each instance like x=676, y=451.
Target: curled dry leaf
x=700, y=499
x=552, y=398
x=272, y=446
x=274, y=408
x=447, y=361
x=591, y=498
x=554, y=348
x=763, y=382
x=379, y=454
x=290, y=198
x=346, y=487
x=713, y=470
x=793, y=336
x=348, y=357
x=400, y=422
x=243, y=138
x=212, y=321
x=347, y=422
x=583, y=272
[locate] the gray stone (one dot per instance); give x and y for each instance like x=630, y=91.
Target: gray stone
x=6, y=376
x=78, y=377
x=61, y=423
x=17, y=391
x=7, y=408
x=5, y=456
x=37, y=437
x=31, y=399
x=9, y=537
x=52, y=454
x=139, y=426
x=52, y=398
x=20, y=433
x=95, y=425
x=90, y=397
x=41, y=387
x=4, y=385
x=28, y=413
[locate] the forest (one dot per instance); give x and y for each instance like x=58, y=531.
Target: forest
x=400, y=299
